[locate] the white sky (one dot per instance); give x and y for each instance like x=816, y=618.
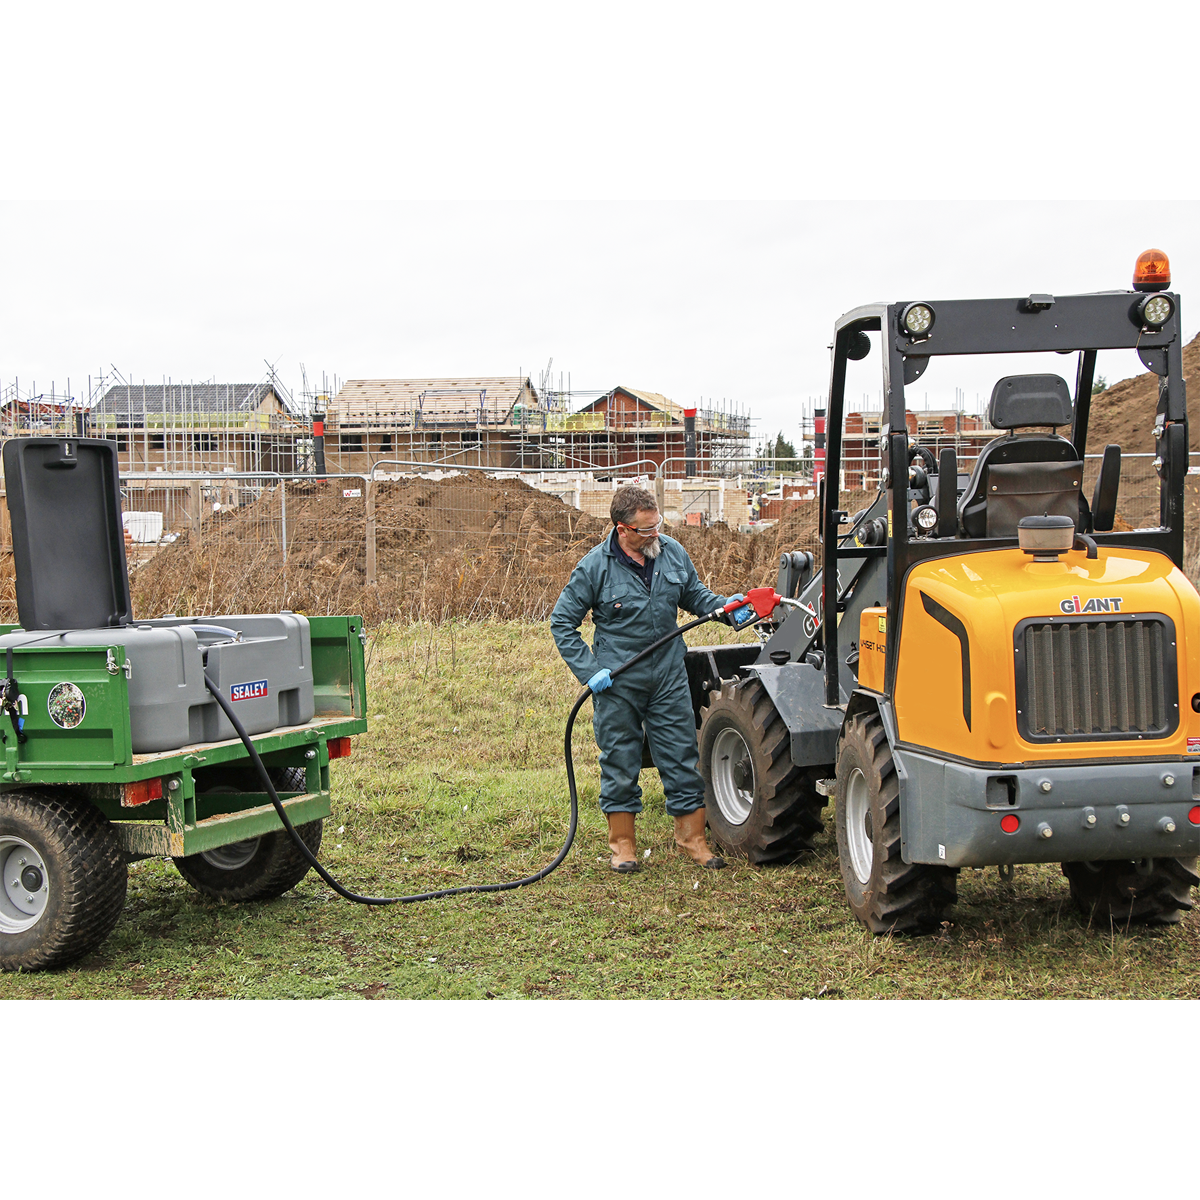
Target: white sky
x=681, y=197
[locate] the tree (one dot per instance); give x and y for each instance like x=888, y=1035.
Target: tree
x=1100, y=385
x=783, y=448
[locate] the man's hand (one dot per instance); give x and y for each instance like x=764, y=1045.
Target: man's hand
x=739, y=616
x=600, y=681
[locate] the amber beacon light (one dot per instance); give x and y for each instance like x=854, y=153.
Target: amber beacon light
x=1152, y=272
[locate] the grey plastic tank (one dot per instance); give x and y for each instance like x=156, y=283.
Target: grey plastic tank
x=73, y=590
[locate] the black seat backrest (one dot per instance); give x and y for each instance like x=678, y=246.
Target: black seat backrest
x=1024, y=475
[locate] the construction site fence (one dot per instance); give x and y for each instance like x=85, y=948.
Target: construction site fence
x=302, y=518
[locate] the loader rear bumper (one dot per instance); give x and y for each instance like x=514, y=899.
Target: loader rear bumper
x=952, y=813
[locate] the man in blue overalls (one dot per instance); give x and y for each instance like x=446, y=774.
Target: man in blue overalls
x=634, y=584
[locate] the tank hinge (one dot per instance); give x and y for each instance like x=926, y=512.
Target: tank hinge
x=112, y=667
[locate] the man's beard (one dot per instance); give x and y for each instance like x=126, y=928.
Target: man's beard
x=651, y=548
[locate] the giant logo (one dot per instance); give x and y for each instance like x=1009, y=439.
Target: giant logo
x=1097, y=604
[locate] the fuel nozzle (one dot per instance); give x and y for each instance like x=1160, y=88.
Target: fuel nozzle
x=757, y=603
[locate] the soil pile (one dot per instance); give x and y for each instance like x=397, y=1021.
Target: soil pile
x=457, y=548
x=1124, y=414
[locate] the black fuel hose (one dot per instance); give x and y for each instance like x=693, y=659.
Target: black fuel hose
x=256, y=759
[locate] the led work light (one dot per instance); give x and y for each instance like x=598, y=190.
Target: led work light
x=926, y=517
x=916, y=320
x=1155, y=311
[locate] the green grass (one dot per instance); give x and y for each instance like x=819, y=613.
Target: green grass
x=460, y=780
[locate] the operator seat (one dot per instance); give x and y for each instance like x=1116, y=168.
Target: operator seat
x=1025, y=474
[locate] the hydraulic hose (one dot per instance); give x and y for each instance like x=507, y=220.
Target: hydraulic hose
x=345, y=893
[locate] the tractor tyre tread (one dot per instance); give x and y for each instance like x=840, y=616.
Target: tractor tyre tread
x=88, y=874
x=786, y=812
x=901, y=897
x=276, y=867
x=1117, y=892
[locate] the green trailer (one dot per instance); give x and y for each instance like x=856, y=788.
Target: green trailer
x=77, y=805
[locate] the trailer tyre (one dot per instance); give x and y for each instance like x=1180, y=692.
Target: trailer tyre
x=258, y=868
x=760, y=805
x=886, y=894
x=63, y=879
x=1120, y=893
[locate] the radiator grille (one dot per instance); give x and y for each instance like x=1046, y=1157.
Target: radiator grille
x=1089, y=680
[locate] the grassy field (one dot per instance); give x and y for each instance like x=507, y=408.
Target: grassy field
x=460, y=780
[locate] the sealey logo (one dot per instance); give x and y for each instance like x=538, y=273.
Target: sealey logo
x=1097, y=604
x=249, y=691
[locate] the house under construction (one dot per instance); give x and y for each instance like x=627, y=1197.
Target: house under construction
x=199, y=428
x=506, y=423
x=486, y=421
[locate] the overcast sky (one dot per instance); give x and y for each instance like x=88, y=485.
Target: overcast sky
x=679, y=197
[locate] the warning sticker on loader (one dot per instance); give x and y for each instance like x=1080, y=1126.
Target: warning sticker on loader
x=1194, y=745
x=249, y=691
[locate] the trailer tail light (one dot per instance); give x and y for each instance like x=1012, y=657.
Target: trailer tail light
x=1152, y=272
x=141, y=791
x=339, y=747
x=1194, y=814
x=1010, y=822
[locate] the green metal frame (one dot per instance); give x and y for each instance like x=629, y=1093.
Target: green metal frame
x=97, y=757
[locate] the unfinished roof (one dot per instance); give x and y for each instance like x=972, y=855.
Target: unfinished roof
x=183, y=398
x=654, y=400
x=487, y=400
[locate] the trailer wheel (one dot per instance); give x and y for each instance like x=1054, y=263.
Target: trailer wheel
x=62, y=879
x=258, y=868
x=886, y=894
x=760, y=805
x=1119, y=893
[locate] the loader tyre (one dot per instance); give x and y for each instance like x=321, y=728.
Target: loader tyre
x=62, y=879
x=760, y=806
x=1119, y=893
x=885, y=893
x=258, y=868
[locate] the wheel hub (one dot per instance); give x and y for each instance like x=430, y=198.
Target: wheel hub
x=25, y=889
x=232, y=857
x=860, y=834
x=732, y=776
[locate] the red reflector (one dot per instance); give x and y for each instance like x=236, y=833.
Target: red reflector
x=1194, y=815
x=141, y=791
x=1010, y=823
x=339, y=747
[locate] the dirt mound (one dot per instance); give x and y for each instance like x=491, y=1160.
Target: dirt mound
x=464, y=547
x=1124, y=414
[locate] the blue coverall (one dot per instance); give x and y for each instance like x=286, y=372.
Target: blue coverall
x=655, y=693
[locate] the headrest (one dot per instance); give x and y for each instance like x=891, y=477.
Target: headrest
x=1020, y=400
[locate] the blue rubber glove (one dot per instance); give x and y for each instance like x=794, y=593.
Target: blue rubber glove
x=739, y=616
x=600, y=681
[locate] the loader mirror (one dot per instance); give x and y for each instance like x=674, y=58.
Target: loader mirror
x=858, y=347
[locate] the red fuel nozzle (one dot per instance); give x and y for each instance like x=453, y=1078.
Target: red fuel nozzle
x=763, y=600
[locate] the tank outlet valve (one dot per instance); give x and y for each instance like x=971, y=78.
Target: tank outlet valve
x=1044, y=830
x=1089, y=817
x=1122, y=815
x=1167, y=825
x=1046, y=786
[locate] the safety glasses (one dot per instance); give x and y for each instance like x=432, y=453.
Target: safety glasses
x=649, y=530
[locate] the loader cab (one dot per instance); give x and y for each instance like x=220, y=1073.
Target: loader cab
x=929, y=505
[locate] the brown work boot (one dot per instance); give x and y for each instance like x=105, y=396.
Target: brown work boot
x=622, y=844
x=689, y=837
